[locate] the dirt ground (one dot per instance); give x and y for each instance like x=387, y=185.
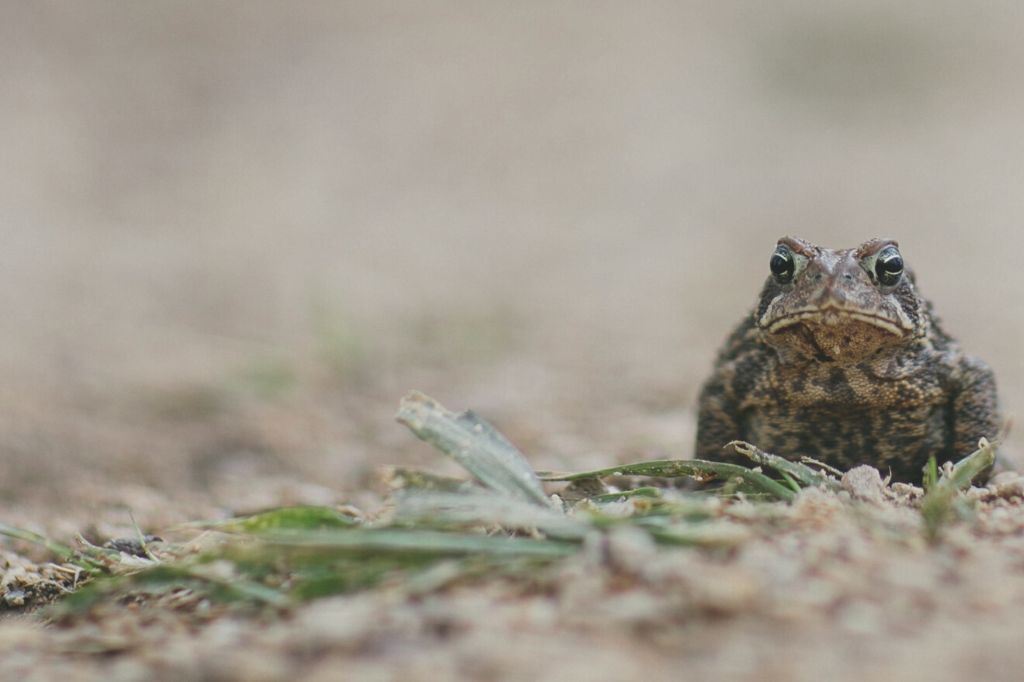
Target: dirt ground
x=237, y=233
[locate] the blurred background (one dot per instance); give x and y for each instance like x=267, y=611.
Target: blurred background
x=236, y=233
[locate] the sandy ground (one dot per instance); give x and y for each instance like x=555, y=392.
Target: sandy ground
x=237, y=233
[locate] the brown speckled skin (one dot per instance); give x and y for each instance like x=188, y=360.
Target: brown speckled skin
x=837, y=366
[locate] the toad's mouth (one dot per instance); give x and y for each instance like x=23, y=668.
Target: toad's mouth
x=837, y=317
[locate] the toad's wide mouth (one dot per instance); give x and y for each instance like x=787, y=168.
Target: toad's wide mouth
x=837, y=317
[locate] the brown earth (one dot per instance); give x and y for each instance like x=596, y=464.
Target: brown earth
x=237, y=233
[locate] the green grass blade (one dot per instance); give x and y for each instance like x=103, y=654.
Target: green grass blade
x=694, y=468
x=90, y=564
x=474, y=444
x=931, y=474
x=214, y=583
x=644, y=491
x=285, y=518
x=447, y=509
x=797, y=471
x=973, y=465
x=413, y=543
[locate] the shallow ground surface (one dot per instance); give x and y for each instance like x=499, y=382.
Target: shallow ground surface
x=235, y=236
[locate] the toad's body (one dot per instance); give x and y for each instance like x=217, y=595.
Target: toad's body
x=843, y=361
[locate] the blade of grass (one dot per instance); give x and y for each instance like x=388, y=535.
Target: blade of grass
x=645, y=491
x=90, y=564
x=694, y=468
x=810, y=461
x=413, y=543
x=474, y=444
x=299, y=518
x=973, y=465
x=215, y=583
x=799, y=472
x=931, y=474
x=447, y=509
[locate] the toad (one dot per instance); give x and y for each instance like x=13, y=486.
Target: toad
x=843, y=361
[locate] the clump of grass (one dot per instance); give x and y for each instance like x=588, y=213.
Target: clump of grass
x=439, y=530
x=941, y=503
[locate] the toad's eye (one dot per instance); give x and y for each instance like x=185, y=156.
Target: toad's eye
x=782, y=265
x=889, y=266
